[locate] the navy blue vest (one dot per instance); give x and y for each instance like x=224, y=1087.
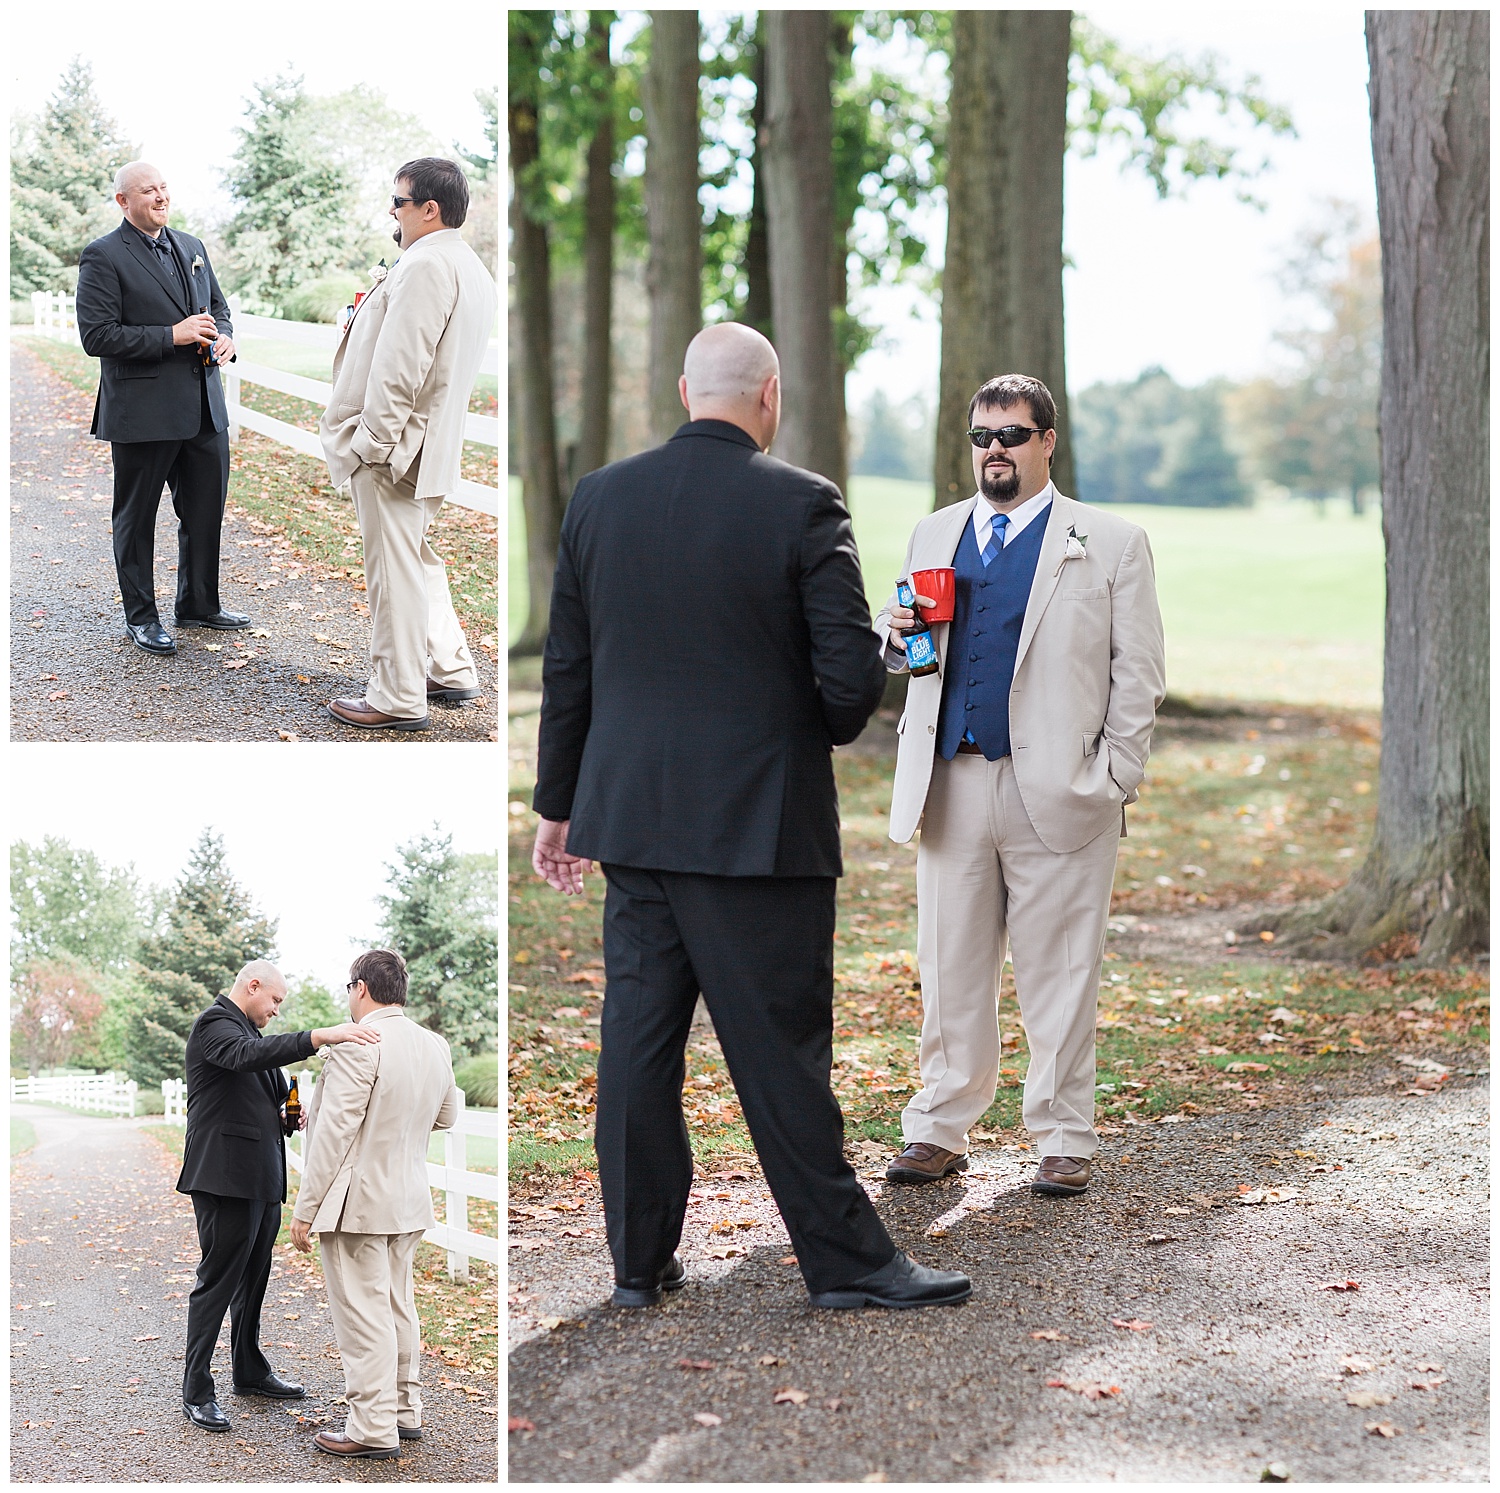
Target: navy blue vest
x=984, y=637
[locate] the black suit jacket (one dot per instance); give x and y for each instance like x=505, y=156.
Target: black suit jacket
x=149, y=390
x=235, y=1089
x=709, y=644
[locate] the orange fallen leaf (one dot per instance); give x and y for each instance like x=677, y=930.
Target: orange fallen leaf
x=787, y=1260
x=1340, y=1285
x=1134, y=1324
x=708, y=1418
x=790, y=1396
x=695, y=1363
x=519, y=1423
x=235, y=663
x=1090, y=1389
x=1050, y=1335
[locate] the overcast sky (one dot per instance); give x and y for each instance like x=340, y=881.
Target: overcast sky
x=1190, y=284
x=177, y=81
x=308, y=829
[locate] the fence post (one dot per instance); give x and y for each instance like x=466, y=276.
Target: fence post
x=456, y=1204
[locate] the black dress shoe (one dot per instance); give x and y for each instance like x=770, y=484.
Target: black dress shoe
x=902, y=1283
x=437, y=691
x=273, y=1388
x=409, y=1433
x=151, y=636
x=206, y=1416
x=646, y=1290
x=220, y=621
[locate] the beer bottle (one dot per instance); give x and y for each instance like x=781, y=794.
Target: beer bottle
x=293, y=1109
x=206, y=354
x=921, y=651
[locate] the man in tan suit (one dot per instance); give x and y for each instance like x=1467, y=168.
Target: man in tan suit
x=394, y=430
x=364, y=1193
x=1017, y=759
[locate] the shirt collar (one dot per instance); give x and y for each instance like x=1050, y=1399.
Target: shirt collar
x=1019, y=517
x=725, y=430
x=151, y=243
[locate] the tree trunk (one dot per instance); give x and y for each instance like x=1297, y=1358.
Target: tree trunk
x=598, y=261
x=674, y=274
x=757, y=311
x=1424, y=888
x=1002, y=277
x=798, y=175
x=541, y=490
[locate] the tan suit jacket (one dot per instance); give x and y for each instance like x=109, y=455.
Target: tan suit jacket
x=404, y=371
x=368, y=1125
x=1090, y=673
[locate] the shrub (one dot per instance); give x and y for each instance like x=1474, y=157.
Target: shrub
x=479, y=1078
x=148, y=1101
x=322, y=300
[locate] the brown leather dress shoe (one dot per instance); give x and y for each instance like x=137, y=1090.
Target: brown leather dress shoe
x=361, y=713
x=922, y=1162
x=340, y=1445
x=1062, y=1176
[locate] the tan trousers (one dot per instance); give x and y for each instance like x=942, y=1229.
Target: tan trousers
x=984, y=876
x=379, y=1336
x=414, y=631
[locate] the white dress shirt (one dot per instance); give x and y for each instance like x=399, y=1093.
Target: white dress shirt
x=984, y=516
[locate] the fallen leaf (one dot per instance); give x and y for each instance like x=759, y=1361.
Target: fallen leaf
x=1248, y=1068
x=767, y=1360
x=1340, y=1285
x=836, y=1403
x=1271, y=1195
x=550, y=1323
x=727, y=1252
x=1134, y=1324
x=260, y=632
x=695, y=1363
x=707, y=1418
x=58, y=694
x=149, y=1337
x=235, y=663
x=1429, y=1368
x=1090, y=1389
x=1353, y=1365
x=287, y=735
x=1367, y=1399
x=1161, y=1238
x=585, y=977
x=213, y=647
x=787, y=1260
x=1050, y=1335
x=1381, y=1428
x=790, y=1396
x=518, y=1423
x=1425, y=1383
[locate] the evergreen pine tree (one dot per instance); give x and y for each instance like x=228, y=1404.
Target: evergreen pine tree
x=297, y=219
x=62, y=169
x=440, y=917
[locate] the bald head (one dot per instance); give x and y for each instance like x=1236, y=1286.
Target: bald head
x=141, y=194
x=731, y=373
x=259, y=990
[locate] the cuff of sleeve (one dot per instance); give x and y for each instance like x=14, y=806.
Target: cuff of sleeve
x=308, y=1043
x=166, y=343
x=370, y=451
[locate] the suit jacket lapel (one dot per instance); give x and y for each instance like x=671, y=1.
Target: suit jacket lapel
x=182, y=265
x=1048, y=570
x=148, y=258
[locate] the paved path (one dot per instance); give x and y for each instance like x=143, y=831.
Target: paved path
x=103, y=1253
x=1248, y=1360
x=75, y=676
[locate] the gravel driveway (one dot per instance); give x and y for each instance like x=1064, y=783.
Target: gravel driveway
x=76, y=677
x=96, y=1374
x=1159, y=1329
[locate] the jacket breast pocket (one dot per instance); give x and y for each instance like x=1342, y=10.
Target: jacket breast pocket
x=1094, y=593
x=135, y=370
x=241, y=1132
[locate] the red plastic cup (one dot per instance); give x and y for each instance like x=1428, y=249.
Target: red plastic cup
x=938, y=584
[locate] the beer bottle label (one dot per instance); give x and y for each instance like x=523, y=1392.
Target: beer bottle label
x=919, y=649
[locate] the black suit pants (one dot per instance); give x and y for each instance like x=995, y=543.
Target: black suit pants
x=197, y=471
x=236, y=1236
x=760, y=948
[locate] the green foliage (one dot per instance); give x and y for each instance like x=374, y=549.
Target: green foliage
x=1123, y=98
x=483, y=165
x=55, y=1008
x=66, y=903
x=322, y=300
x=308, y=1006
x=479, y=1078
x=297, y=215
x=893, y=440
x=1152, y=441
x=153, y=1037
x=440, y=916
x=62, y=168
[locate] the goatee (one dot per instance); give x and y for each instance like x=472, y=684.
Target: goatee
x=396, y=234
x=1000, y=484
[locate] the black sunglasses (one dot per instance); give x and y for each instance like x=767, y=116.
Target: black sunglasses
x=1007, y=435
x=402, y=201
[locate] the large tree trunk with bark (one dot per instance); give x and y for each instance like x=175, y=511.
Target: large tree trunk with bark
x=1002, y=274
x=757, y=312
x=598, y=260
x=1424, y=887
x=798, y=175
x=541, y=490
x=674, y=272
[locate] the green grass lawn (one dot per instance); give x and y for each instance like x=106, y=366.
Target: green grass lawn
x=22, y=1136
x=1268, y=603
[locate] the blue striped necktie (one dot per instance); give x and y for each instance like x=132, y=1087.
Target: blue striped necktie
x=997, y=538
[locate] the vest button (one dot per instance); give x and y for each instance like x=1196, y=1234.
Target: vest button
x=973, y=658
x=968, y=707
x=973, y=681
x=984, y=609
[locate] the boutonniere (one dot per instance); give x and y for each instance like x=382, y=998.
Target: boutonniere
x=378, y=272
x=197, y=263
x=1077, y=548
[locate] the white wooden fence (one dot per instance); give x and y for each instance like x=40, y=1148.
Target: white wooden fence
x=451, y=1177
x=56, y=316
x=103, y=1093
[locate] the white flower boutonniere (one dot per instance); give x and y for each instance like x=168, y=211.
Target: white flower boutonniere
x=378, y=272
x=197, y=263
x=1077, y=548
